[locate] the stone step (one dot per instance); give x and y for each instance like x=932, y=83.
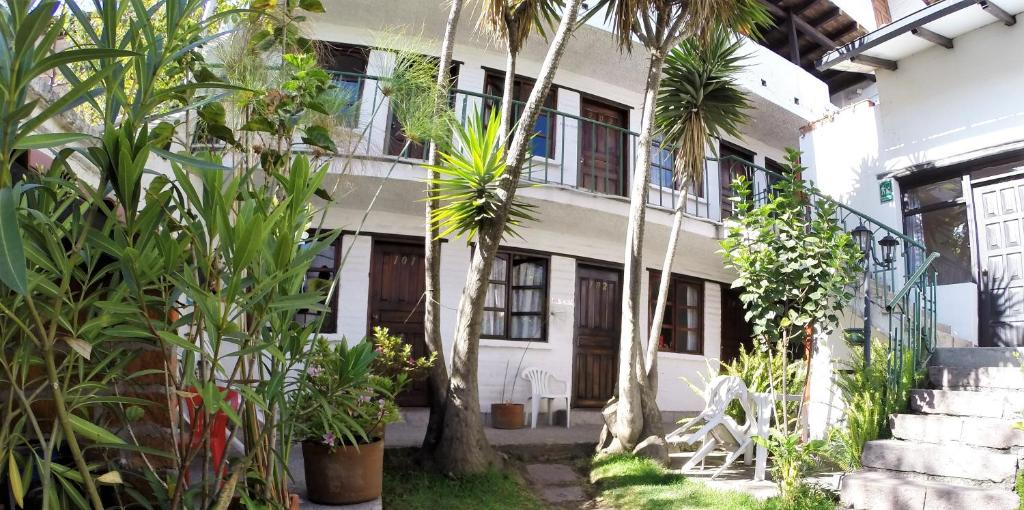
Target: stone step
x=881, y=490
x=976, y=357
x=982, y=378
x=972, y=465
x=966, y=430
x=987, y=404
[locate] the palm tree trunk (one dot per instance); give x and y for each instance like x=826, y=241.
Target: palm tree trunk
x=438, y=377
x=658, y=319
x=464, y=448
x=508, y=88
x=629, y=416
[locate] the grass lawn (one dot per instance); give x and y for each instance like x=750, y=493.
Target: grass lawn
x=411, y=487
x=628, y=483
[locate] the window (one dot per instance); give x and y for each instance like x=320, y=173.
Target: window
x=348, y=63
x=320, y=275
x=935, y=215
x=542, y=143
x=516, y=304
x=683, y=326
x=663, y=170
x=396, y=137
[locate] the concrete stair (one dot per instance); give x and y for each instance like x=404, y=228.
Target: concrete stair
x=956, y=448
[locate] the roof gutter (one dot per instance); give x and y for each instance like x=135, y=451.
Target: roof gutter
x=904, y=25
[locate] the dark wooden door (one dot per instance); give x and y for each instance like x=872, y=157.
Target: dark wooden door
x=598, y=313
x=999, y=216
x=728, y=171
x=396, y=302
x=603, y=148
x=736, y=331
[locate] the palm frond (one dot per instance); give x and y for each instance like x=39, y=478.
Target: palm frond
x=699, y=99
x=512, y=21
x=470, y=183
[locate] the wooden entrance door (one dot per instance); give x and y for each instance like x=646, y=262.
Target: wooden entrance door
x=603, y=149
x=999, y=217
x=396, y=302
x=736, y=331
x=598, y=313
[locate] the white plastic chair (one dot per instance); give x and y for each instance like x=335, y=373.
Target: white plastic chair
x=718, y=428
x=541, y=388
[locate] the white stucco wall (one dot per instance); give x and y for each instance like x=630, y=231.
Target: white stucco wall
x=944, y=103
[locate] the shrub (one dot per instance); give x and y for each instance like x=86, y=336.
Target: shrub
x=793, y=460
x=870, y=398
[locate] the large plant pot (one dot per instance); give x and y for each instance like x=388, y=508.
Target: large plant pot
x=345, y=476
x=507, y=416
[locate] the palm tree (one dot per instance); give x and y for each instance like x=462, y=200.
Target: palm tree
x=438, y=379
x=699, y=101
x=463, y=448
x=512, y=22
x=659, y=25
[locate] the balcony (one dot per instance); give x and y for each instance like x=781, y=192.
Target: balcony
x=568, y=151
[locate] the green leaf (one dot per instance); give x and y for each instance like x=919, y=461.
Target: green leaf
x=161, y=135
x=319, y=136
x=14, y=478
x=13, y=269
x=213, y=113
x=261, y=124
x=190, y=161
x=312, y=5
x=177, y=341
x=94, y=432
x=49, y=140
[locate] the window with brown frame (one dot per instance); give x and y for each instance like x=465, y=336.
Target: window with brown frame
x=349, y=65
x=543, y=142
x=516, y=305
x=683, y=327
x=321, y=274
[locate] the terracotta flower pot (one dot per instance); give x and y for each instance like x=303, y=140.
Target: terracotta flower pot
x=345, y=476
x=507, y=416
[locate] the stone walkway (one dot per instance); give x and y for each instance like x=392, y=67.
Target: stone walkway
x=557, y=485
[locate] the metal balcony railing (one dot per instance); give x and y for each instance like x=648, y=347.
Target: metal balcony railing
x=567, y=150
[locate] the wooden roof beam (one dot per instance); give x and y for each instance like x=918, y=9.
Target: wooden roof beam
x=932, y=37
x=998, y=12
x=829, y=15
x=880, y=63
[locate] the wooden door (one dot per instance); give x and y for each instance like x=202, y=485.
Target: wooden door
x=603, y=149
x=999, y=216
x=728, y=171
x=598, y=313
x=396, y=302
x=736, y=331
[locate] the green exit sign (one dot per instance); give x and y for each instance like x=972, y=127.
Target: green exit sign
x=885, y=191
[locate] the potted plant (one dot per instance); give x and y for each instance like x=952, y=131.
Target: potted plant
x=346, y=396
x=506, y=414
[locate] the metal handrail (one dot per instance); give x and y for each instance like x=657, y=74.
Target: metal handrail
x=817, y=194
x=911, y=281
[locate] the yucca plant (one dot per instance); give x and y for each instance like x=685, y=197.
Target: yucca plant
x=699, y=102
x=470, y=187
